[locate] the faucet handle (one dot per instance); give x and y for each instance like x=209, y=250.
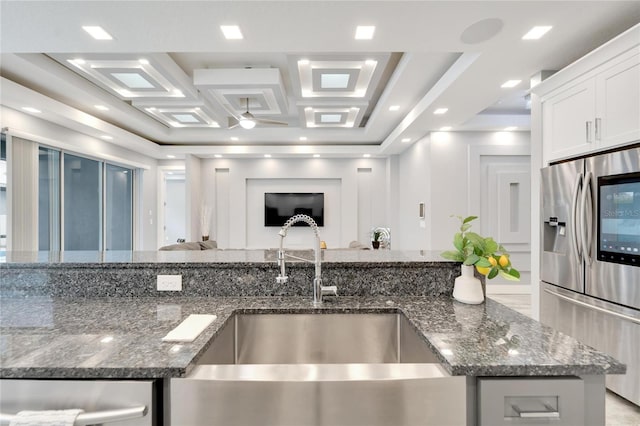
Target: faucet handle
x=329, y=290
x=282, y=279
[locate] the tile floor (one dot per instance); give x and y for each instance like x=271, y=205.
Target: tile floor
x=619, y=411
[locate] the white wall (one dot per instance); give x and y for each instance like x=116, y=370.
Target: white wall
x=193, y=196
x=450, y=180
x=260, y=236
x=449, y=171
x=235, y=187
x=46, y=133
x=415, y=174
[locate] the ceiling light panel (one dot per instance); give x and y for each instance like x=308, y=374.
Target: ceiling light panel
x=510, y=83
x=128, y=77
x=339, y=117
x=231, y=32
x=365, y=32
x=337, y=79
x=537, y=32
x=441, y=111
x=334, y=81
x=97, y=32
x=181, y=114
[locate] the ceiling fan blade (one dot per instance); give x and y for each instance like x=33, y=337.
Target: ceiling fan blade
x=271, y=122
x=233, y=123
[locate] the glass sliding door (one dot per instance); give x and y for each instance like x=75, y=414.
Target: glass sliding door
x=48, y=199
x=118, y=208
x=82, y=203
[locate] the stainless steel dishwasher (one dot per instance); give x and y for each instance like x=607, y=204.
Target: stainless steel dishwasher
x=109, y=403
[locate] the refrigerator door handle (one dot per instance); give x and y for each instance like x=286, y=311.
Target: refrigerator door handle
x=587, y=209
x=575, y=218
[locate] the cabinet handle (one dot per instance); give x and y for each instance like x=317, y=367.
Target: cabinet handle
x=537, y=414
x=588, y=128
x=598, y=128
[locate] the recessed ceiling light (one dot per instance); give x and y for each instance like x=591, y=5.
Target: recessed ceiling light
x=97, y=32
x=231, y=32
x=330, y=118
x=267, y=156
x=365, y=32
x=178, y=92
x=394, y=107
x=31, y=109
x=316, y=155
x=143, y=61
x=510, y=128
x=106, y=339
x=171, y=156
x=366, y=155
x=370, y=62
x=133, y=80
x=303, y=62
x=510, y=83
x=107, y=137
x=77, y=61
x=217, y=155
x=101, y=107
x=405, y=140
x=334, y=81
x=303, y=138
x=536, y=32
x=441, y=111
x=234, y=138
x=445, y=128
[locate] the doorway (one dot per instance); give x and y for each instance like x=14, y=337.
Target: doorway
x=173, y=220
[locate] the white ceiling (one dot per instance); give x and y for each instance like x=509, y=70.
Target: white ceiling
x=423, y=64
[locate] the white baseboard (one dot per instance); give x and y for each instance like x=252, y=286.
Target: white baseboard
x=508, y=289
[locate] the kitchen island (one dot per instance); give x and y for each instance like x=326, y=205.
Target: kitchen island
x=59, y=330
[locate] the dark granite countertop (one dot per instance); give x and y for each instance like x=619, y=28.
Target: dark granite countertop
x=44, y=337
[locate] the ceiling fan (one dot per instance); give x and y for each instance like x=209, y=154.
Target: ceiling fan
x=249, y=121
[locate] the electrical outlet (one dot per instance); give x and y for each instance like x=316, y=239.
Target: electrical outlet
x=169, y=283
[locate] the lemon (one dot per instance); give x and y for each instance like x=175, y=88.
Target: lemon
x=493, y=261
x=483, y=271
x=504, y=261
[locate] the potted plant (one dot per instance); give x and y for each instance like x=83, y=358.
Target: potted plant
x=487, y=256
x=376, y=237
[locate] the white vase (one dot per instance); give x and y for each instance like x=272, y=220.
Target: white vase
x=467, y=288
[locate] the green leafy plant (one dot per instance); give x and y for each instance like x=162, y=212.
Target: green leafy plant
x=489, y=257
x=376, y=235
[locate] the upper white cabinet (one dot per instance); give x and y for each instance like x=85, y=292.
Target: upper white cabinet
x=568, y=120
x=594, y=103
x=618, y=103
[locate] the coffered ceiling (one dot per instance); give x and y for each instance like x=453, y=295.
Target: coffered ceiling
x=170, y=79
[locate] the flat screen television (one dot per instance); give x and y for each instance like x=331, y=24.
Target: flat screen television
x=280, y=206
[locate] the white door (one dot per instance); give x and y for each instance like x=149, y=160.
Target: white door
x=174, y=219
x=501, y=195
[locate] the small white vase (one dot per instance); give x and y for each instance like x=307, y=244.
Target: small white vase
x=467, y=288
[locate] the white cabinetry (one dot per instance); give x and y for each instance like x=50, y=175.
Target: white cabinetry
x=618, y=103
x=594, y=103
x=568, y=118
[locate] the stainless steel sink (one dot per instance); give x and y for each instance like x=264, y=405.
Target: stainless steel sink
x=318, y=339
x=319, y=369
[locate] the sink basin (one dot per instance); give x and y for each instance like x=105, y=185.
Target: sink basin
x=319, y=369
x=318, y=339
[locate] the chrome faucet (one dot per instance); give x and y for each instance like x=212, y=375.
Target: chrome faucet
x=319, y=290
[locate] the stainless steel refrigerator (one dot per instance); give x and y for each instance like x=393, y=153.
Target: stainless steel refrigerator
x=590, y=257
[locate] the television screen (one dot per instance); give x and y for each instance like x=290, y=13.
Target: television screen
x=280, y=206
